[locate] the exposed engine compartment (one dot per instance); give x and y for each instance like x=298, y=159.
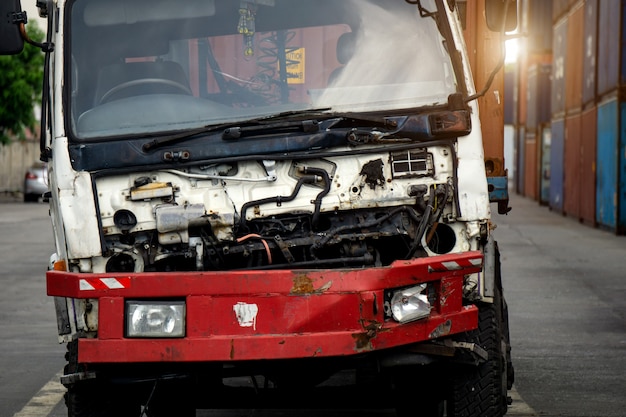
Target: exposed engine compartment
x=394, y=208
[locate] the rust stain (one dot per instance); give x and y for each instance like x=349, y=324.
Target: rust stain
x=363, y=340
x=232, y=348
x=302, y=284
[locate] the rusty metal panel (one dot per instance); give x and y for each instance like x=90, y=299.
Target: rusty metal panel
x=588, y=166
x=610, y=39
x=590, y=45
x=556, y=164
x=571, y=166
x=559, y=51
x=574, y=60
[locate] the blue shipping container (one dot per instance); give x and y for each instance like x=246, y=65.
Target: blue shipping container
x=544, y=172
x=557, y=146
x=611, y=166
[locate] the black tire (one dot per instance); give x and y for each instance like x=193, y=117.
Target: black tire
x=419, y=393
x=91, y=399
x=31, y=198
x=481, y=390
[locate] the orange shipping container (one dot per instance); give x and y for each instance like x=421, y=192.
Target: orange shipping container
x=574, y=60
x=588, y=167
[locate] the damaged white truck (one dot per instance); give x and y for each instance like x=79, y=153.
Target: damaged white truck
x=253, y=200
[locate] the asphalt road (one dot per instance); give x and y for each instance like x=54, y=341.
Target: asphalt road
x=564, y=282
x=30, y=354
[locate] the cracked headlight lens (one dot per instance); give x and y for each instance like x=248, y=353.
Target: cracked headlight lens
x=410, y=304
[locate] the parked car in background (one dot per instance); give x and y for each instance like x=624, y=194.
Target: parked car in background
x=35, y=182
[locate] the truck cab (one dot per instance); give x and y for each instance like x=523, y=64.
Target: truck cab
x=283, y=192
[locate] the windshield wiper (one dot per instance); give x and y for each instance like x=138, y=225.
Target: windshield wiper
x=306, y=121
x=167, y=140
x=234, y=130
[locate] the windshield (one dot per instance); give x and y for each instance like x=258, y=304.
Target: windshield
x=150, y=66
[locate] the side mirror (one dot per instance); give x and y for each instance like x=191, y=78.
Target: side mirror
x=11, y=41
x=501, y=12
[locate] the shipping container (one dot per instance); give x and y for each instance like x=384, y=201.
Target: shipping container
x=556, y=164
x=559, y=51
x=538, y=27
x=522, y=90
x=538, y=95
x=590, y=45
x=610, y=160
x=572, y=162
x=544, y=174
x=588, y=166
x=521, y=159
x=530, y=168
x=574, y=60
x=610, y=69
x=509, y=155
x=509, y=97
x=559, y=8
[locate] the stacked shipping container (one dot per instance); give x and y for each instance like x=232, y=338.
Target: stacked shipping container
x=573, y=156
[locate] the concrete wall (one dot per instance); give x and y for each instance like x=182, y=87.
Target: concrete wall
x=15, y=158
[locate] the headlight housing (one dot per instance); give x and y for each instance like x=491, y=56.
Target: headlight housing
x=155, y=318
x=409, y=304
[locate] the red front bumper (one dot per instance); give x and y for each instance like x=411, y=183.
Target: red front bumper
x=299, y=313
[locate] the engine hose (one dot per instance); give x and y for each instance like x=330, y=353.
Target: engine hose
x=422, y=225
x=306, y=179
x=318, y=200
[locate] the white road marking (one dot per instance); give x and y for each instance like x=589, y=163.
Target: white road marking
x=45, y=400
x=519, y=408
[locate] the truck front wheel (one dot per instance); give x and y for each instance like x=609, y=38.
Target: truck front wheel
x=95, y=400
x=481, y=390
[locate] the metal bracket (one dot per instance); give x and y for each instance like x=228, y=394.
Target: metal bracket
x=19, y=17
x=70, y=379
x=284, y=248
x=472, y=347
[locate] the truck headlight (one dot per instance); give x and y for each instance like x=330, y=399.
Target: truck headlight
x=155, y=318
x=410, y=304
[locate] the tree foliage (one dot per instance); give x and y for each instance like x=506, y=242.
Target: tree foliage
x=21, y=79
